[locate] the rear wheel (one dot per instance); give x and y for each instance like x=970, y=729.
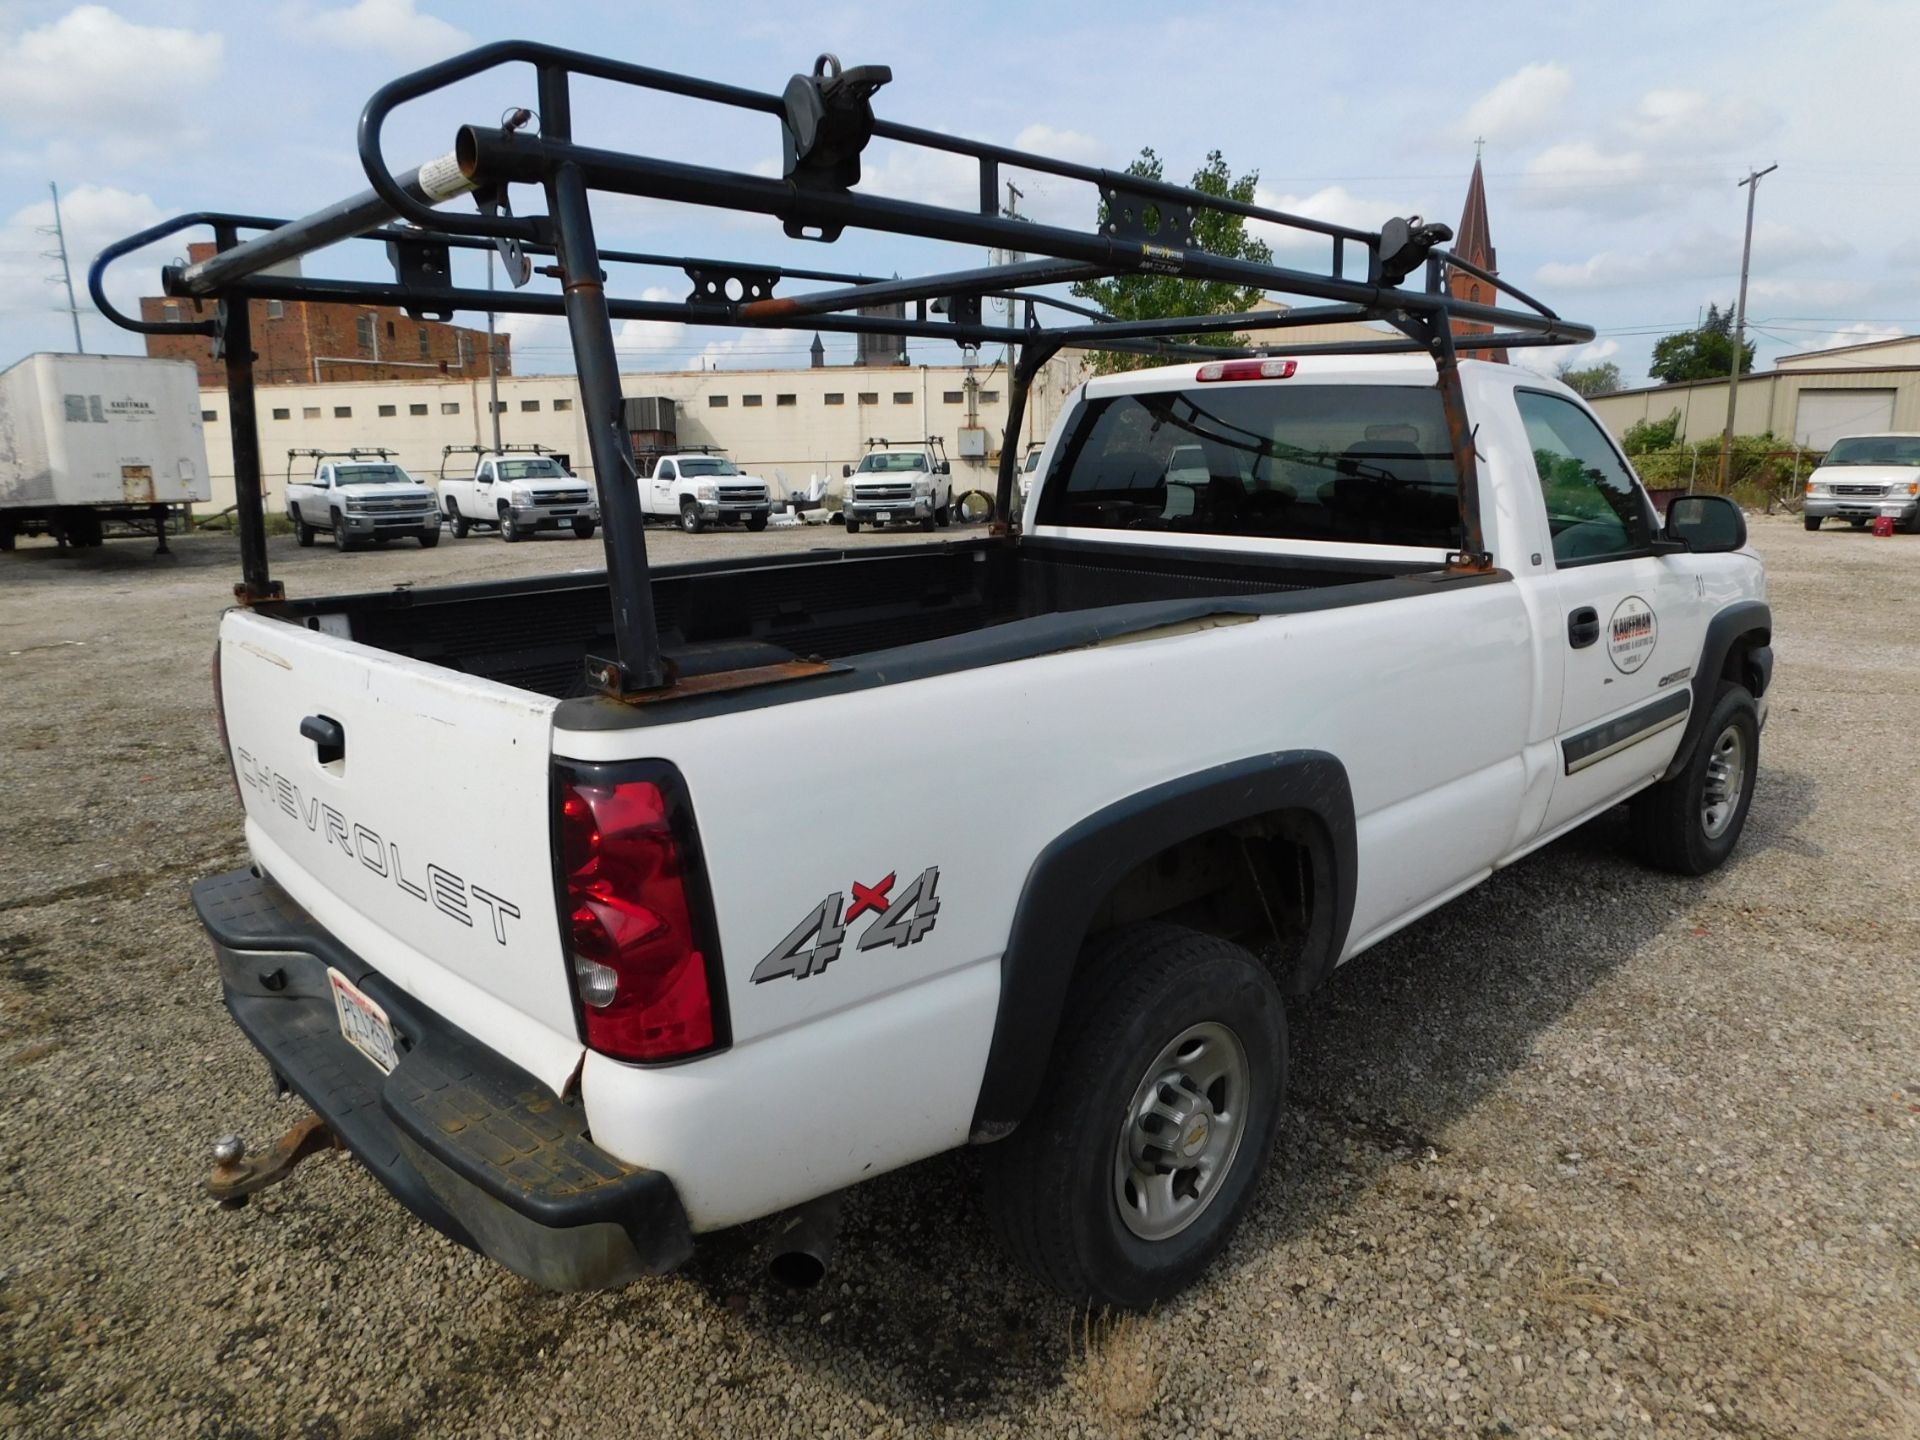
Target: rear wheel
x=1691, y=823
x=302, y=531
x=690, y=521
x=1154, y=1121
x=1812, y=522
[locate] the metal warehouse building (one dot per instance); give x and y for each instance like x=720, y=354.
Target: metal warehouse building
x=1812, y=398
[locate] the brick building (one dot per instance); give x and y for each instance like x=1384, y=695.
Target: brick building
x=1473, y=242
x=303, y=342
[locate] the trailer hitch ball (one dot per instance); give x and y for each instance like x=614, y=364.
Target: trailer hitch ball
x=235, y=1176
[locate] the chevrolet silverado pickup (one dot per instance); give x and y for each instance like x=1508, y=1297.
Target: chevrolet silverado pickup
x=1286, y=648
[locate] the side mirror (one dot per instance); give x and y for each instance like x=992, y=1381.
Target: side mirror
x=846, y=472
x=1706, y=524
x=945, y=467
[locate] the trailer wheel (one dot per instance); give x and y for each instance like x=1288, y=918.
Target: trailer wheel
x=583, y=529
x=302, y=531
x=690, y=521
x=1181, y=1038
x=457, y=520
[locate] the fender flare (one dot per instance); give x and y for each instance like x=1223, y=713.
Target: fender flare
x=1078, y=870
x=1749, y=619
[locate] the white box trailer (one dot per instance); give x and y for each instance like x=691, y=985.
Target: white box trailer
x=88, y=441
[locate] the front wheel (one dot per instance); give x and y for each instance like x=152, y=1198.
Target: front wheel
x=1691, y=823
x=341, y=540
x=690, y=521
x=429, y=538
x=458, y=521
x=509, y=531
x=1812, y=522
x=853, y=526
x=1155, y=1118
x=583, y=529
x=756, y=522
x=943, y=516
x=302, y=531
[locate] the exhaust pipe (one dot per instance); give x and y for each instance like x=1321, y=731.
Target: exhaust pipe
x=803, y=1242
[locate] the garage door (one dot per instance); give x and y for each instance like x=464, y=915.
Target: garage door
x=1823, y=416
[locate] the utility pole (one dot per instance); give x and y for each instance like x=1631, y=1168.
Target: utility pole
x=1752, y=184
x=66, y=270
x=493, y=378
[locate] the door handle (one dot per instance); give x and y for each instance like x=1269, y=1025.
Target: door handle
x=328, y=735
x=1583, y=627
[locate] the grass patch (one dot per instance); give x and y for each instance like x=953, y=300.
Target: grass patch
x=1113, y=1361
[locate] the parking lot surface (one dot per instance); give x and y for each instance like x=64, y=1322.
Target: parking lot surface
x=1591, y=1151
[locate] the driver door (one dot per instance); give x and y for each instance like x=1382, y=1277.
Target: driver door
x=666, y=476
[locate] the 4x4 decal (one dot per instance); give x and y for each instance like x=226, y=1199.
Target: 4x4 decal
x=815, y=942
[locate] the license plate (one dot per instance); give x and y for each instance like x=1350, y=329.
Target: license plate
x=363, y=1022
x=883, y=517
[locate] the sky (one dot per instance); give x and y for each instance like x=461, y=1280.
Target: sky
x=1614, y=137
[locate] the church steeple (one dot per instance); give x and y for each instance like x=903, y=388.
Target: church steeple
x=1473, y=242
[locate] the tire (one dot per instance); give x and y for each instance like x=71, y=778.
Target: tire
x=690, y=521
x=943, y=516
x=340, y=540
x=1812, y=522
x=583, y=529
x=756, y=522
x=302, y=531
x=429, y=538
x=927, y=524
x=461, y=525
x=853, y=526
x=1055, y=1188
x=1912, y=527
x=509, y=531
x=1675, y=825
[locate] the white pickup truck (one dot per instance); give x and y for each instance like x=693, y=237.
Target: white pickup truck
x=360, y=495
x=518, y=495
x=899, y=481
x=698, y=488
x=579, y=979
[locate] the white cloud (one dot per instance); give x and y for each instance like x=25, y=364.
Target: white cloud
x=96, y=75
x=1334, y=204
x=1698, y=253
x=1792, y=291
x=388, y=27
x=93, y=216
x=1696, y=120
x=1519, y=107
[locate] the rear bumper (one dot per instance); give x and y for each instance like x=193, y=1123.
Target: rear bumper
x=470, y=1143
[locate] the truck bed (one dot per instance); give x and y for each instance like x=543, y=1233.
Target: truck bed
x=874, y=615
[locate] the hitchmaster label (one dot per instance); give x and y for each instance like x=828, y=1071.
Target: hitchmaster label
x=1162, y=259
x=1631, y=634
x=435, y=885
x=898, y=920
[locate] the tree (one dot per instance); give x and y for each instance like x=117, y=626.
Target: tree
x=1702, y=354
x=1644, y=436
x=1601, y=379
x=1148, y=297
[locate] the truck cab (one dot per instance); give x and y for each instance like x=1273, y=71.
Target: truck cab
x=698, y=488
x=899, y=481
x=359, y=495
x=517, y=491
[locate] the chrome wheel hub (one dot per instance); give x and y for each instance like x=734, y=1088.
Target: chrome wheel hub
x=1726, y=781
x=1181, y=1131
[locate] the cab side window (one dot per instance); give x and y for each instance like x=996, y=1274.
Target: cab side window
x=1594, y=508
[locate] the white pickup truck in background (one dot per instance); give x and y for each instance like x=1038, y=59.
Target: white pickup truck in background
x=899, y=481
x=1267, y=716
x=517, y=491
x=698, y=488
x=359, y=495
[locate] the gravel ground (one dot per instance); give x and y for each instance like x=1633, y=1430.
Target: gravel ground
x=1591, y=1151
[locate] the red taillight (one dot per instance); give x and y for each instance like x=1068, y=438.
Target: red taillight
x=634, y=923
x=1247, y=370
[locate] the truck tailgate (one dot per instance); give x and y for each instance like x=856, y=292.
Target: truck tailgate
x=425, y=844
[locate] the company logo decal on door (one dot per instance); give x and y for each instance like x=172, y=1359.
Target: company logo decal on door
x=1631, y=634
